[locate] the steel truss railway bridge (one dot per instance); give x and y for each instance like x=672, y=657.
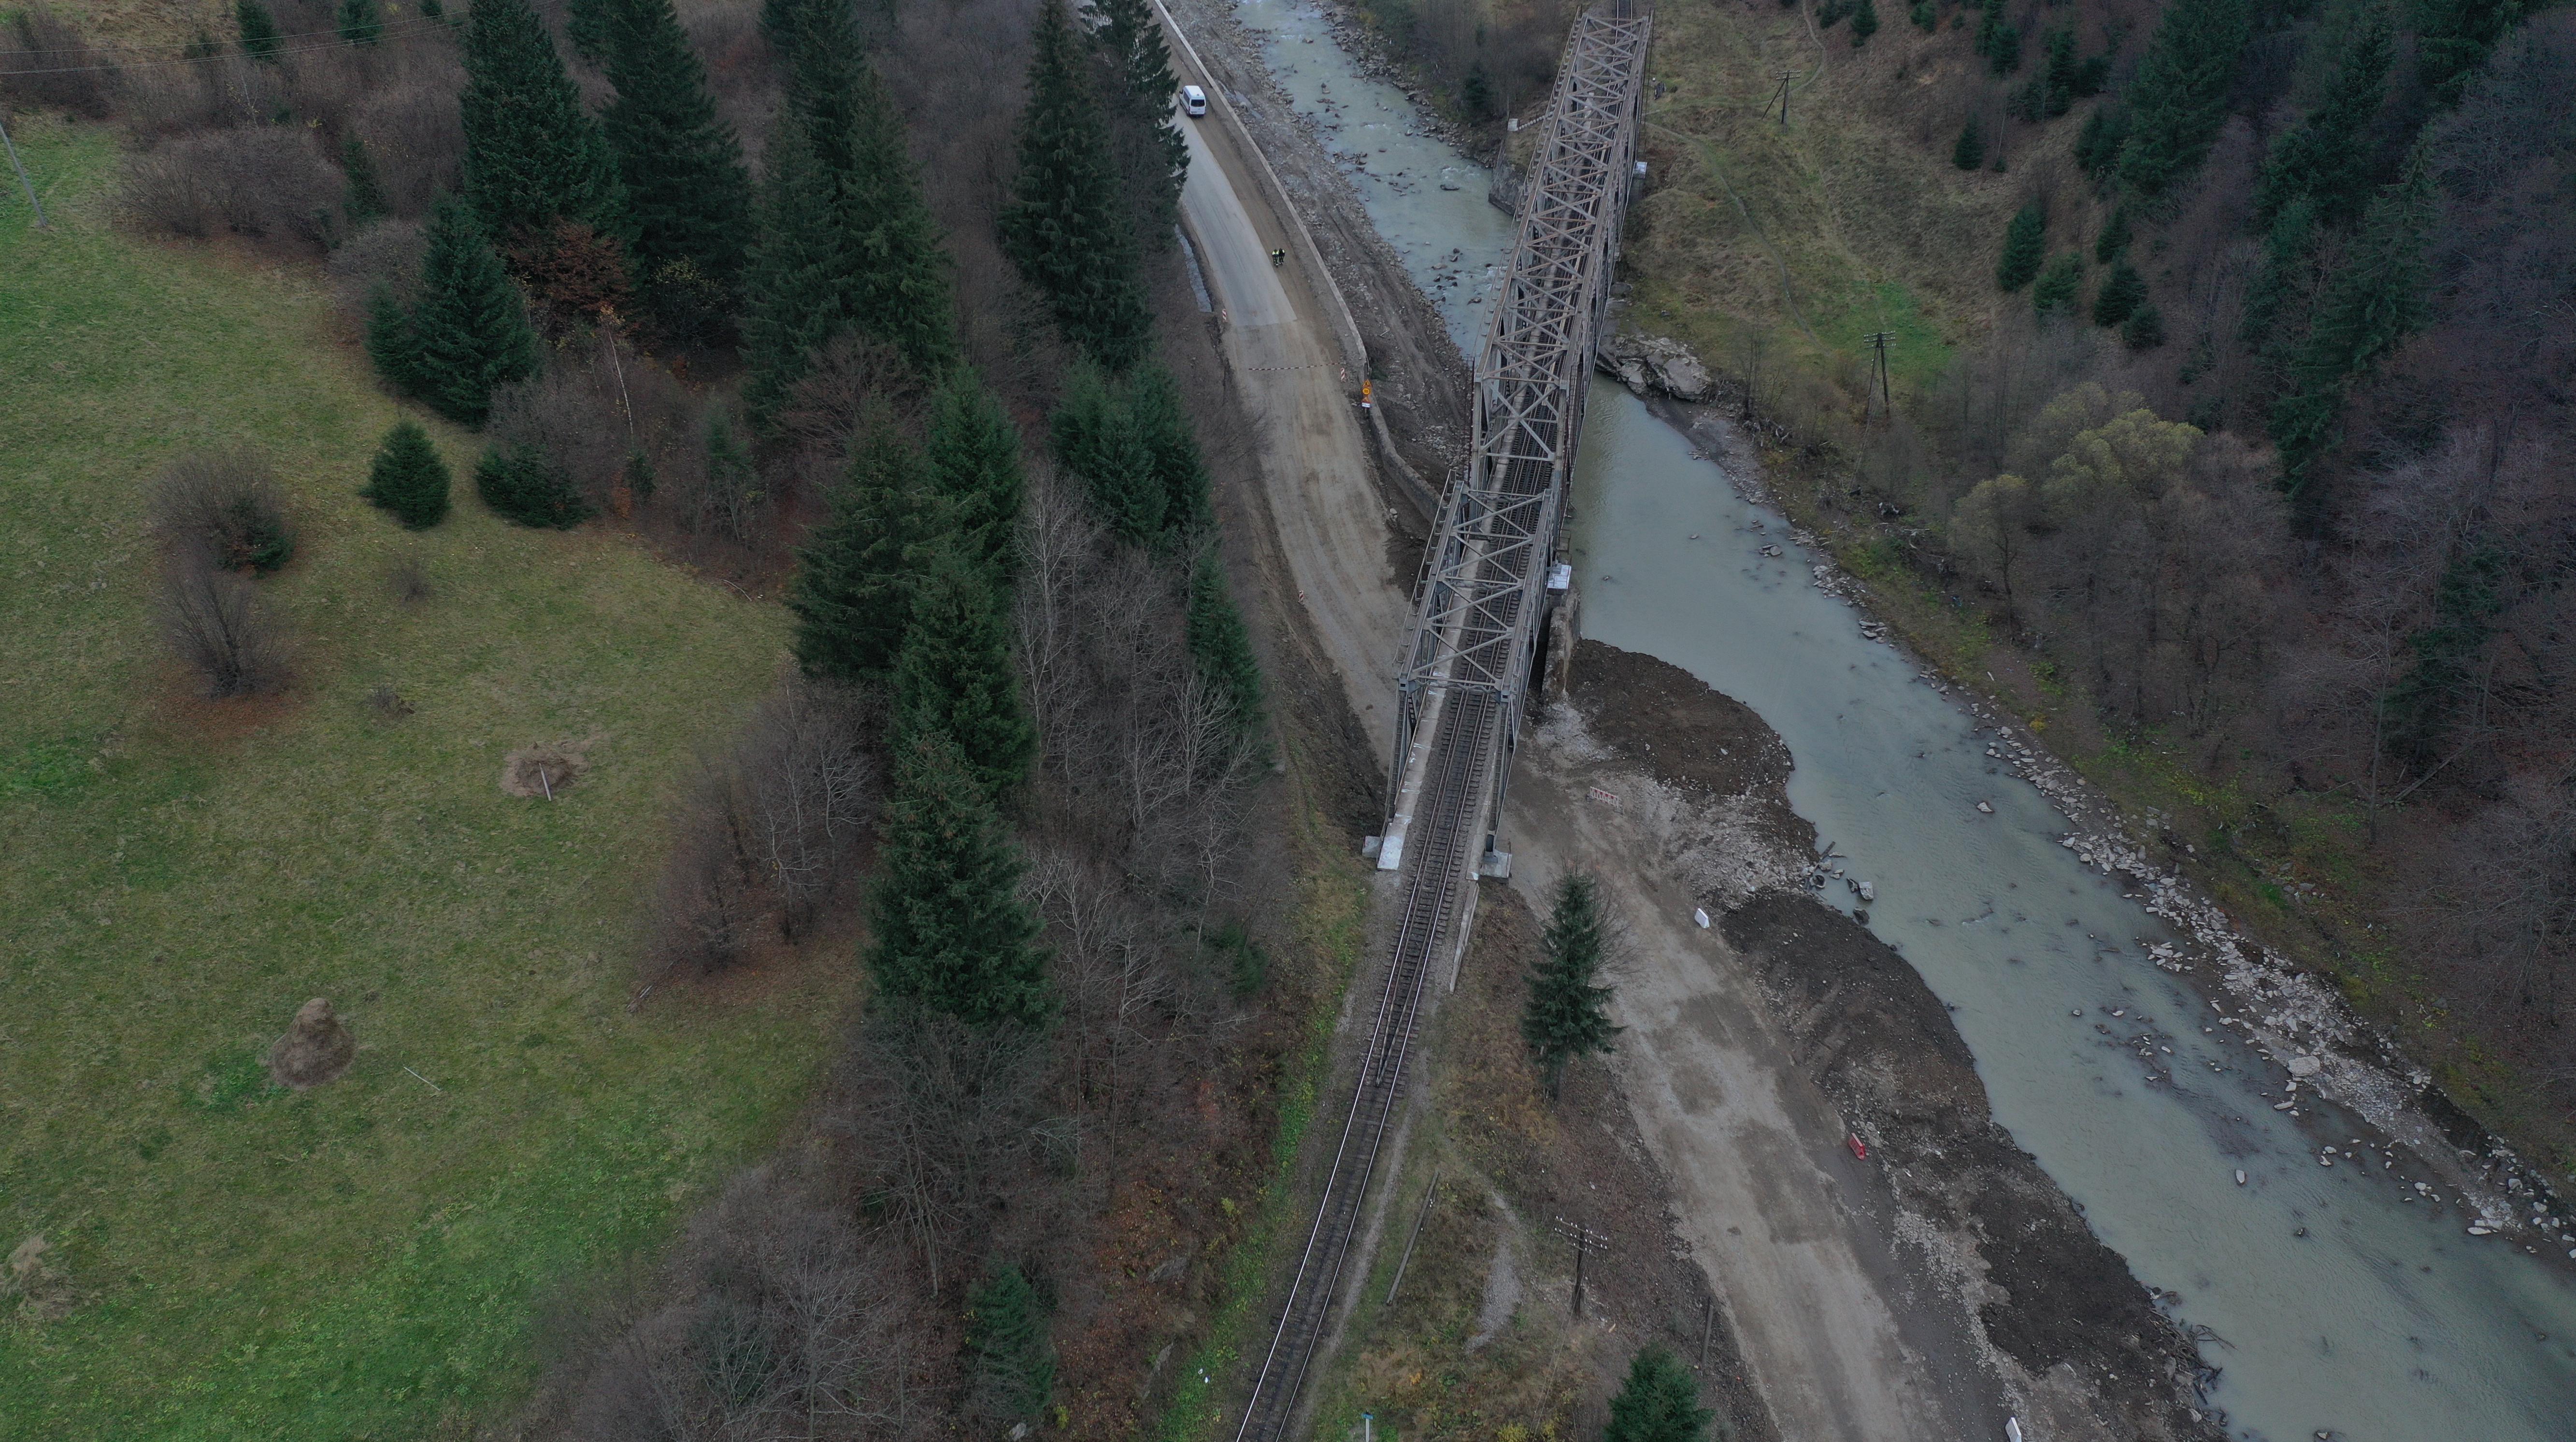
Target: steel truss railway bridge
x=1472, y=646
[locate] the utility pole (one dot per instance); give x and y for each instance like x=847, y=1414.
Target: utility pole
x=1585, y=1241
x=1784, y=99
x=21, y=167
x=1887, y=403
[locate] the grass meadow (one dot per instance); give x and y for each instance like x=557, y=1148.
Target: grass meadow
x=177, y=876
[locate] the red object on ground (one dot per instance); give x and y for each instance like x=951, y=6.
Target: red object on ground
x=1859, y=1148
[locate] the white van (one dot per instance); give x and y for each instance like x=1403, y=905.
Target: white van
x=1193, y=100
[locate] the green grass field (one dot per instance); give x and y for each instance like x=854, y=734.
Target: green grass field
x=176, y=876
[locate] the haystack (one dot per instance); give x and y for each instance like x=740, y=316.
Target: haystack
x=542, y=771
x=316, y=1049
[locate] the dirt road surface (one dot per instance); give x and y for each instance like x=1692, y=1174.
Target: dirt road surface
x=1322, y=489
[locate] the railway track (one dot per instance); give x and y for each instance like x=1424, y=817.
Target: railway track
x=1460, y=755
x=1477, y=610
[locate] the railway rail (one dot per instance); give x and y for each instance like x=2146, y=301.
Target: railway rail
x=1477, y=610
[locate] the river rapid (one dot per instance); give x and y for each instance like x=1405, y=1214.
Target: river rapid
x=2337, y=1298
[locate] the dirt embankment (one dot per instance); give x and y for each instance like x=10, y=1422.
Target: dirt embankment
x=1422, y=381
x=2008, y=1249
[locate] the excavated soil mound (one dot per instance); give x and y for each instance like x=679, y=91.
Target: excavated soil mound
x=316, y=1049
x=42, y=1291
x=542, y=771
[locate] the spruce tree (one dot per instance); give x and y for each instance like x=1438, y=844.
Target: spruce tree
x=1220, y=645
x=1970, y=152
x=259, y=37
x=1163, y=422
x=2025, y=245
x=533, y=155
x=1158, y=157
x=361, y=22
x=1998, y=39
x=955, y=672
x=2113, y=242
x=1568, y=1011
x=1095, y=436
x=1659, y=1403
x=2058, y=81
x=586, y=25
x=1864, y=23
x=2059, y=286
x=363, y=199
x=2179, y=99
x=2145, y=328
x=2327, y=154
x=852, y=591
x=393, y=343
x=2097, y=146
x=2120, y=296
x=2374, y=300
x=409, y=480
x=2452, y=38
x=1013, y=1367
x=893, y=271
x=688, y=197
x=793, y=292
x=470, y=328
x=524, y=485
x=1065, y=228
x=974, y=454
x=2275, y=299
x=951, y=934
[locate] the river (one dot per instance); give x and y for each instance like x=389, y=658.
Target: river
x=2346, y=1303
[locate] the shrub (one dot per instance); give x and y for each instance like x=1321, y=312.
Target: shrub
x=264, y=183
x=224, y=506
x=220, y=628
x=409, y=479
x=522, y=483
x=47, y=64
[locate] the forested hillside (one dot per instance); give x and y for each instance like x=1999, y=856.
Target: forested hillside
x=733, y=304
x=2228, y=360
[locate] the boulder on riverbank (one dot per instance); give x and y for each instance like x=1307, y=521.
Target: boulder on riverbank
x=1655, y=365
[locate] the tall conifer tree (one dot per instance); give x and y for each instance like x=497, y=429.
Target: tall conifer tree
x=952, y=935
x=892, y=271
x=1219, y=644
x=1162, y=421
x=259, y=37
x=2325, y=154
x=2179, y=99
x=2374, y=299
x=688, y=198
x=1567, y=1014
x=2025, y=246
x=2452, y=38
x=1659, y=1403
x=852, y=592
x=533, y=155
x=470, y=327
x=1095, y=436
x=974, y=453
x=792, y=293
x=956, y=673
x=1066, y=227
x=361, y=22
x=1158, y=160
